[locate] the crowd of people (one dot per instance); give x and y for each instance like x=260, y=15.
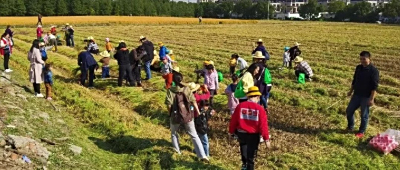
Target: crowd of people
x=192, y=104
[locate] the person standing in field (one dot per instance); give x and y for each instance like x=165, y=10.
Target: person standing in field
x=48, y=81
x=105, y=68
x=87, y=64
x=109, y=46
x=261, y=47
x=149, y=49
x=67, y=35
x=136, y=55
x=303, y=67
x=200, y=19
x=230, y=92
x=211, y=80
x=6, y=45
x=92, y=47
x=52, y=39
x=181, y=104
x=201, y=123
x=166, y=71
x=286, y=57
x=294, y=52
x=163, y=50
x=249, y=122
x=241, y=62
x=124, y=63
x=263, y=80
x=246, y=82
x=36, y=67
x=39, y=32
x=364, y=85
x=39, y=19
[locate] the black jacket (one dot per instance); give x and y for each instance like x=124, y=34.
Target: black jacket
x=122, y=56
x=365, y=80
x=149, y=48
x=201, y=121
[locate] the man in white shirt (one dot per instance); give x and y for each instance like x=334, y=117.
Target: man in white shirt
x=53, y=41
x=241, y=63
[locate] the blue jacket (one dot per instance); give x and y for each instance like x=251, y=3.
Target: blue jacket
x=263, y=50
x=85, y=60
x=48, y=78
x=163, y=52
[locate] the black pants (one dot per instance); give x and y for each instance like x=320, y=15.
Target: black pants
x=212, y=93
x=232, y=70
x=68, y=41
x=248, y=148
x=136, y=75
x=6, y=60
x=297, y=72
x=39, y=21
x=84, y=72
x=36, y=88
x=125, y=70
x=94, y=51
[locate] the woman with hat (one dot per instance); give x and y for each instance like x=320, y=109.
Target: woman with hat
x=149, y=48
x=53, y=30
x=93, y=47
x=39, y=32
x=302, y=67
x=246, y=82
x=211, y=80
x=261, y=47
x=124, y=63
x=249, y=122
x=200, y=92
x=105, y=69
x=263, y=79
x=294, y=52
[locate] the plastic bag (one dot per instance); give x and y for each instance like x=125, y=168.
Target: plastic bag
x=302, y=78
x=384, y=143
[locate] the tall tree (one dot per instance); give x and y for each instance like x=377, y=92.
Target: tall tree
x=61, y=8
x=48, y=7
x=4, y=8
x=243, y=7
x=105, y=7
x=335, y=6
x=32, y=7
x=138, y=7
x=76, y=7
x=310, y=10
x=150, y=9
x=19, y=8
x=392, y=9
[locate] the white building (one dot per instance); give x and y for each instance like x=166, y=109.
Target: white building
x=205, y=1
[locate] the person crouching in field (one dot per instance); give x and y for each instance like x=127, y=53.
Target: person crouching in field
x=302, y=67
x=201, y=124
x=248, y=122
x=93, y=47
x=48, y=80
x=87, y=64
x=230, y=92
x=105, y=69
x=365, y=83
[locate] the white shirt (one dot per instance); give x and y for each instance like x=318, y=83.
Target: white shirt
x=242, y=63
x=51, y=36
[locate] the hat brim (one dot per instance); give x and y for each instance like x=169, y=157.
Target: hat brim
x=196, y=88
x=258, y=57
x=253, y=94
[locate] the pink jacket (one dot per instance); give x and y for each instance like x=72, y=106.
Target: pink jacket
x=232, y=101
x=200, y=97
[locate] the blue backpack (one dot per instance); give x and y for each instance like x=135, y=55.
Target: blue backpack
x=44, y=54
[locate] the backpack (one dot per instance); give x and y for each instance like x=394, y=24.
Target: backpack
x=44, y=54
x=267, y=76
x=181, y=111
x=239, y=91
x=220, y=76
x=201, y=122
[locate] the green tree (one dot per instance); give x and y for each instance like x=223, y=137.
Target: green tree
x=77, y=8
x=105, y=7
x=18, y=8
x=150, y=9
x=4, y=8
x=225, y=8
x=335, y=6
x=138, y=7
x=116, y=8
x=392, y=9
x=32, y=7
x=48, y=7
x=360, y=11
x=61, y=8
x=244, y=7
x=310, y=10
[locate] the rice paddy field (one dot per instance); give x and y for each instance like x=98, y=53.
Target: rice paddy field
x=129, y=127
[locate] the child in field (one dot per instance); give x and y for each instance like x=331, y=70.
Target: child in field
x=105, y=72
x=166, y=71
x=201, y=124
x=109, y=46
x=48, y=81
x=232, y=64
x=286, y=57
x=230, y=91
x=43, y=51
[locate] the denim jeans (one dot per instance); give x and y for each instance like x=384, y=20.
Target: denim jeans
x=191, y=130
x=355, y=103
x=206, y=146
x=72, y=41
x=264, y=100
x=105, y=73
x=147, y=69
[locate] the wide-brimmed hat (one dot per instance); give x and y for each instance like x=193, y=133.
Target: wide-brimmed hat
x=67, y=24
x=142, y=37
x=258, y=55
x=160, y=43
x=260, y=40
x=41, y=44
x=90, y=38
x=105, y=54
x=298, y=59
x=52, y=26
x=121, y=41
x=176, y=69
x=193, y=86
x=253, y=91
x=170, y=52
x=296, y=44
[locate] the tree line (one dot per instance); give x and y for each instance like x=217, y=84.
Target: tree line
x=358, y=12
x=133, y=7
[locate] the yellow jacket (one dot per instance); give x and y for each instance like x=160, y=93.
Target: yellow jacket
x=248, y=81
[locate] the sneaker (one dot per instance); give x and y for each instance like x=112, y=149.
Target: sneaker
x=8, y=70
x=49, y=98
x=360, y=135
x=205, y=159
x=39, y=95
x=244, y=167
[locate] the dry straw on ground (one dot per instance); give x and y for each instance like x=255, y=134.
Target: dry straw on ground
x=94, y=20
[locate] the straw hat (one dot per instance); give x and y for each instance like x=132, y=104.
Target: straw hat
x=121, y=41
x=160, y=44
x=298, y=59
x=170, y=52
x=142, y=37
x=211, y=63
x=206, y=62
x=253, y=91
x=41, y=44
x=260, y=40
x=90, y=38
x=67, y=24
x=105, y=54
x=193, y=86
x=176, y=69
x=296, y=44
x=258, y=55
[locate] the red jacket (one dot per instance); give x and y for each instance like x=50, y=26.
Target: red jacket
x=251, y=118
x=39, y=32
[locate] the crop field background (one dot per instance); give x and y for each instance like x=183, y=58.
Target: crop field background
x=130, y=128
